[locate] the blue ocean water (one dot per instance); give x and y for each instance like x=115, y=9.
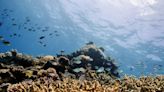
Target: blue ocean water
x=131, y=31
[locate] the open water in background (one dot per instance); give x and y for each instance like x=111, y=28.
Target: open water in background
x=131, y=31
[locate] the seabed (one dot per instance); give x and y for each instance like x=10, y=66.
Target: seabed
x=85, y=70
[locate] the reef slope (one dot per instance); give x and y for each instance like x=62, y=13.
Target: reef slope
x=85, y=70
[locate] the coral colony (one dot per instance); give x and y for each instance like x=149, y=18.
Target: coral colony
x=86, y=70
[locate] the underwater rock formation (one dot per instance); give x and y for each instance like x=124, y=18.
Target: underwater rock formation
x=94, y=57
x=88, y=63
x=89, y=69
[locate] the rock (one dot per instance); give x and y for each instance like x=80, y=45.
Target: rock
x=6, y=76
x=63, y=61
x=93, y=51
x=52, y=73
x=47, y=58
x=4, y=86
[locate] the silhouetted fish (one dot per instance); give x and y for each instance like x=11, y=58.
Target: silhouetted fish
x=6, y=42
x=57, y=34
x=13, y=19
x=27, y=19
x=40, y=42
x=1, y=37
x=5, y=10
x=11, y=35
x=44, y=45
x=14, y=24
x=29, y=29
x=50, y=34
x=15, y=34
x=55, y=31
x=42, y=37
x=11, y=10
x=43, y=30
x=90, y=43
x=1, y=23
x=19, y=35
x=25, y=27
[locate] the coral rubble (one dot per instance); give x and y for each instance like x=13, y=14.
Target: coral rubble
x=87, y=69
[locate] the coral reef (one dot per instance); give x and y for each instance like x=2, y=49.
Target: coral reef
x=127, y=84
x=87, y=69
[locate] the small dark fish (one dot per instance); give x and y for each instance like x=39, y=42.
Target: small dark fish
x=50, y=34
x=5, y=9
x=7, y=14
x=29, y=29
x=14, y=24
x=62, y=51
x=55, y=31
x=28, y=20
x=160, y=65
x=1, y=23
x=47, y=27
x=7, y=43
x=19, y=27
x=42, y=37
x=25, y=27
x=57, y=34
x=1, y=37
x=19, y=35
x=40, y=42
x=11, y=10
x=15, y=34
x=11, y=36
x=13, y=19
x=44, y=30
x=25, y=23
x=90, y=43
x=44, y=45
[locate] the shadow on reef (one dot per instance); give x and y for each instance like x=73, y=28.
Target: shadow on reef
x=89, y=63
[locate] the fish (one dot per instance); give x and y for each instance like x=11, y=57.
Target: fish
x=25, y=27
x=101, y=69
x=40, y=42
x=33, y=30
x=19, y=35
x=1, y=23
x=11, y=10
x=5, y=9
x=7, y=43
x=50, y=34
x=1, y=37
x=14, y=24
x=27, y=19
x=29, y=29
x=44, y=45
x=43, y=30
x=15, y=34
x=13, y=19
x=55, y=31
x=11, y=36
x=57, y=34
x=77, y=70
x=47, y=27
x=42, y=37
